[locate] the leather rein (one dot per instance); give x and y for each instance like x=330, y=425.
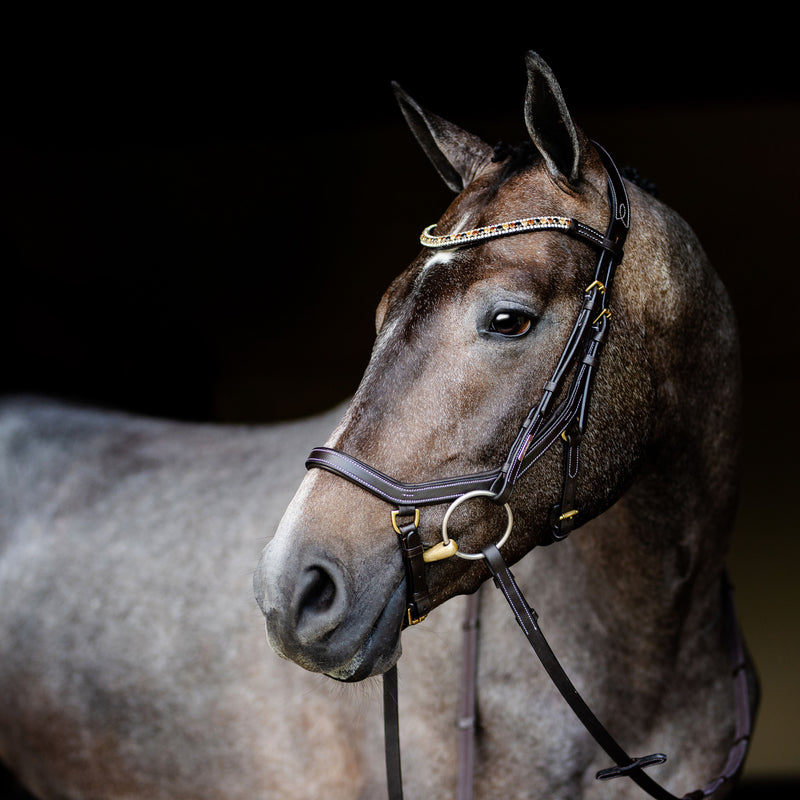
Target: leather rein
x=544, y=425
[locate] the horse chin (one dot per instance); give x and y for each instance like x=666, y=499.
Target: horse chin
x=381, y=648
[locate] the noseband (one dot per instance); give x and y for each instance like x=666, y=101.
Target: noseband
x=543, y=426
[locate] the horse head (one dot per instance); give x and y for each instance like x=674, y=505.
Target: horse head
x=469, y=337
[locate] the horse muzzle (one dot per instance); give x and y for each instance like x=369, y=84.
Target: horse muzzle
x=325, y=617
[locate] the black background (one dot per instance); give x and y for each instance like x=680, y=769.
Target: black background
x=198, y=217
x=200, y=225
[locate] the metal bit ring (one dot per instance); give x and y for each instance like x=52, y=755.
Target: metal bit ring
x=469, y=496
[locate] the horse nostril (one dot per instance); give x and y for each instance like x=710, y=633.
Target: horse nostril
x=318, y=592
x=321, y=602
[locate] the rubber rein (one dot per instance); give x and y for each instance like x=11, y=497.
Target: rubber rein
x=544, y=425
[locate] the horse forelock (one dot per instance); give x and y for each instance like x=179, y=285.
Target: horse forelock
x=515, y=158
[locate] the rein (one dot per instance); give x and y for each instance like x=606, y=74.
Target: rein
x=542, y=428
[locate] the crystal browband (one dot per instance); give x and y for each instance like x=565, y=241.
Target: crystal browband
x=567, y=224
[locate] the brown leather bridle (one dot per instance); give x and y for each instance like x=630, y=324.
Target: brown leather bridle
x=544, y=425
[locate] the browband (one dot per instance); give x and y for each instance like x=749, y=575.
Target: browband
x=566, y=224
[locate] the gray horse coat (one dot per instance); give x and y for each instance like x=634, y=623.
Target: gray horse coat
x=134, y=660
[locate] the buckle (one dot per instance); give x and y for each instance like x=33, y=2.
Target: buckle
x=411, y=619
x=596, y=285
x=402, y=512
x=606, y=312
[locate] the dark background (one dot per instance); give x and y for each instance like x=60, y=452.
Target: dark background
x=198, y=217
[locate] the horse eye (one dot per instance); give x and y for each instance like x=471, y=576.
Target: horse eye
x=510, y=323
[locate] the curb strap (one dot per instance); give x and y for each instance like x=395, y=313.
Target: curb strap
x=625, y=765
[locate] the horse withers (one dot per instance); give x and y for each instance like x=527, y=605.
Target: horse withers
x=488, y=356
x=134, y=661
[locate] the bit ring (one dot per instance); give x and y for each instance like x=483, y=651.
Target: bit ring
x=469, y=496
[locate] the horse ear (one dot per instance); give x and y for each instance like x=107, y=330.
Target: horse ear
x=456, y=154
x=549, y=122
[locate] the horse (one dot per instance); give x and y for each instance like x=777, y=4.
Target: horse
x=134, y=657
x=584, y=433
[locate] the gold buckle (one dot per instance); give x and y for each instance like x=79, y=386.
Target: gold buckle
x=396, y=511
x=606, y=312
x=416, y=621
x=596, y=284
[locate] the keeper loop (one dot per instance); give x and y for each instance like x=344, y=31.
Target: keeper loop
x=637, y=763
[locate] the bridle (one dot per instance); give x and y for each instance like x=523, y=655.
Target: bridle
x=544, y=425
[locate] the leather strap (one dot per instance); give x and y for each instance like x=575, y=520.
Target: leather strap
x=564, y=514
x=467, y=720
x=391, y=735
x=625, y=765
x=394, y=491
x=467, y=710
x=419, y=600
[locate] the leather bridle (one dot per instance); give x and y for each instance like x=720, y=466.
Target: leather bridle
x=544, y=425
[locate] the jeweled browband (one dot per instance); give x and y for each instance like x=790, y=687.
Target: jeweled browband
x=565, y=224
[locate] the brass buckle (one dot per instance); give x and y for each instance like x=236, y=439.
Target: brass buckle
x=396, y=511
x=596, y=285
x=414, y=621
x=606, y=312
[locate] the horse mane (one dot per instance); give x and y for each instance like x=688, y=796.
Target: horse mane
x=523, y=155
x=518, y=157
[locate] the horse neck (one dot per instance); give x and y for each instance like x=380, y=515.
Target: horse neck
x=651, y=565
